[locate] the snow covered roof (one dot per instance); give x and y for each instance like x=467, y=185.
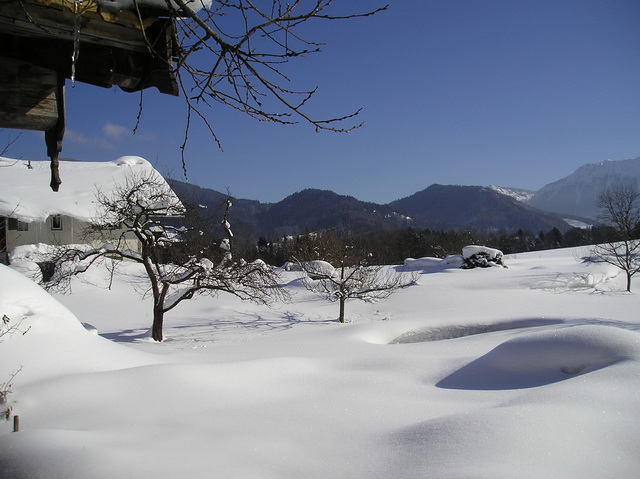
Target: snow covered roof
x=25, y=194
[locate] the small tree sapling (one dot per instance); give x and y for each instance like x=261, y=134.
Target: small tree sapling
x=353, y=278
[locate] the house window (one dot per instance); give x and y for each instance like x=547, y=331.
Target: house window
x=17, y=225
x=56, y=222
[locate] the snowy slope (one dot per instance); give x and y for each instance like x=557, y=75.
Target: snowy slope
x=516, y=193
x=576, y=194
x=527, y=372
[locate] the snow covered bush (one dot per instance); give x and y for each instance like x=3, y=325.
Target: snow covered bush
x=35, y=261
x=481, y=257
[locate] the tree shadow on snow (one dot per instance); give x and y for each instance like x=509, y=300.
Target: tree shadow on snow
x=128, y=335
x=199, y=329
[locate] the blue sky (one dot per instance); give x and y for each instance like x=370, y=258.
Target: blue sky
x=512, y=93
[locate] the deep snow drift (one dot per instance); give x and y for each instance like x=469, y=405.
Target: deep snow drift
x=531, y=371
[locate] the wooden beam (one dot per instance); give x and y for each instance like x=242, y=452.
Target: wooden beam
x=34, y=20
x=29, y=96
x=110, y=53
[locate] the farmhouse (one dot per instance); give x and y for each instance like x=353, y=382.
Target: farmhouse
x=31, y=214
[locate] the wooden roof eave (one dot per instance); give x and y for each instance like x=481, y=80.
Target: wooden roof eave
x=37, y=44
x=36, y=20
x=153, y=46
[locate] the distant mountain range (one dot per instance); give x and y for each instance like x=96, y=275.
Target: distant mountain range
x=442, y=207
x=561, y=204
x=576, y=194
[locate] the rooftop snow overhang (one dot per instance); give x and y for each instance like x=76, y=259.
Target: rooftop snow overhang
x=23, y=198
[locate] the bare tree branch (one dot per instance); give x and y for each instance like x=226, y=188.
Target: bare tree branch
x=233, y=53
x=9, y=143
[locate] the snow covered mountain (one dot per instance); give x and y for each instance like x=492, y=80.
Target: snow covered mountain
x=437, y=207
x=444, y=207
x=576, y=194
x=515, y=193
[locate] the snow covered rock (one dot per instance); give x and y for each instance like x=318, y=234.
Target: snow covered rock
x=481, y=257
x=318, y=268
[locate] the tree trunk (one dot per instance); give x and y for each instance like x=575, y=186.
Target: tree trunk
x=628, y=281
x=341, y=318
x=158, y=319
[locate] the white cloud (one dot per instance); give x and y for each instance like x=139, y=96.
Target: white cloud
x=115, y=132
x=81, y=139
x=111, y=134
x=76, y=137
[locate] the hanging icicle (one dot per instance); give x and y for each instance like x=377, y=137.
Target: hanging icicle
x=76, y=40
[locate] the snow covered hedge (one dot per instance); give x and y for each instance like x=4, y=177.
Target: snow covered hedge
x=472, y=256
x=453, y=261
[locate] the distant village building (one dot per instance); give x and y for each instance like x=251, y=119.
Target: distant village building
x=31, y=214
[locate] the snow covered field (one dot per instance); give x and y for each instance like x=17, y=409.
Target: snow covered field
x=527, y=372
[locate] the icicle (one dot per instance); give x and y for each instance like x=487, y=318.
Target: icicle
x=76, y=40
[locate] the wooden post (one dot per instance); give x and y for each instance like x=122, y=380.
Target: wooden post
x=16, y=423
x=32, y=98
x=53, y=136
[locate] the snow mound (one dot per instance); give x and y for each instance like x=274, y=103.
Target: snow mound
x=453, y=261
x=545, y=357
x=130, y=161
x=55, y=341
x=30, y=269
x=576, y=281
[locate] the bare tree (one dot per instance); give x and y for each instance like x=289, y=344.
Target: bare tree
x=142, y=206
x=8, y=328
x=353, y=278
x=620, y=209
x=10, y=141
x=234, y=52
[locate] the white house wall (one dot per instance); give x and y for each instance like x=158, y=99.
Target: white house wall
x=73, y=232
